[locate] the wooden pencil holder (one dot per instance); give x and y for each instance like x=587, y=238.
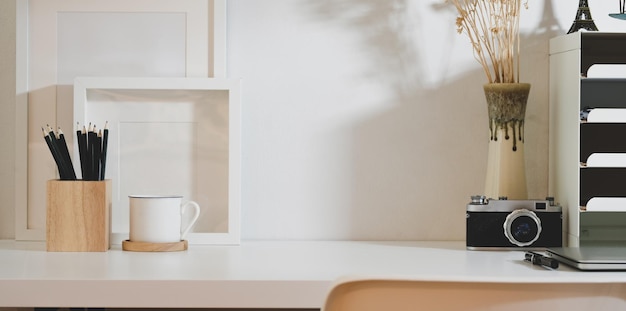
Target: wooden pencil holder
x=78, y=216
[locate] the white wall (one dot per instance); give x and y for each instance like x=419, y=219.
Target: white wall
x=364, y=119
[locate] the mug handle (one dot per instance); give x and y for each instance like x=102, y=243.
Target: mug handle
x=183, y=208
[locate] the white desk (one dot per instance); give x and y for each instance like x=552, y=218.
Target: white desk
x=256, y=274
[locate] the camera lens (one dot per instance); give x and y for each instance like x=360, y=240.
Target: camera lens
x=522, y=227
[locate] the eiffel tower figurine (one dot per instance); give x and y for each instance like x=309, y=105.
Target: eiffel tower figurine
x=583, y=18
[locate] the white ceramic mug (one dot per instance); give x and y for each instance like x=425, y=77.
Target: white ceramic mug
x=158, y=219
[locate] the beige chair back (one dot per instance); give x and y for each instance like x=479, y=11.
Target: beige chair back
x=410, y=295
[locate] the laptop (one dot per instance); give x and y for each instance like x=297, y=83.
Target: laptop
x=590, y=257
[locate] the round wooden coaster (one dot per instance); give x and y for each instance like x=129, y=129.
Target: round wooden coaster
x=128, y=245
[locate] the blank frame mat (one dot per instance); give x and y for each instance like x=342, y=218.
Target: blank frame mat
x=123, y=43
x=166, y=142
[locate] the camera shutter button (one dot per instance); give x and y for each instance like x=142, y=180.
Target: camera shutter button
x=479, y=199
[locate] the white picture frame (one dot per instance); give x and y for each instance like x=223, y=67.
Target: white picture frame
x=138, y=101
x=41, y=99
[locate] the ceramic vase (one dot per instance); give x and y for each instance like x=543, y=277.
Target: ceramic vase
x=506, y=172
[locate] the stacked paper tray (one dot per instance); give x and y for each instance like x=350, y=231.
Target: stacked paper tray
x=603, y=152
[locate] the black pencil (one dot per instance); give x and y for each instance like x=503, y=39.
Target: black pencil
x=105, y=143
x=50, y=141
x=54, y=141
x=91, y=143
x=81, y=141
x=55, y=156
x=89, y=156
x=65, y=155
x=97, y=155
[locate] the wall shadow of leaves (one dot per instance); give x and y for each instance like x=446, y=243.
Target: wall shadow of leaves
x=426, y=153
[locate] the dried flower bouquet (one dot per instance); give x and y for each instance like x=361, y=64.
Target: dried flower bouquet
x=493, y=29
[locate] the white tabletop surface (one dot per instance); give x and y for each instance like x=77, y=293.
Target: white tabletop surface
x=255, y=274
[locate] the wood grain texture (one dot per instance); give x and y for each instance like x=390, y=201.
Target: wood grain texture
x=154, y=247
x=78, y=216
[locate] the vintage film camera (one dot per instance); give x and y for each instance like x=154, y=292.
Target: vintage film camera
x=513, y=224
